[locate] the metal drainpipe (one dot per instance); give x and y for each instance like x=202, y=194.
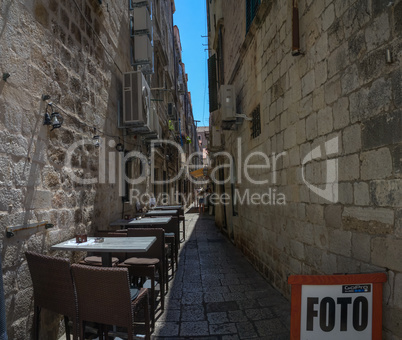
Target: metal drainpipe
x=181, y=138
x=3, y=324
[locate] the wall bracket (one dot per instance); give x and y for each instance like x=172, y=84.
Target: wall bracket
x=10, y=231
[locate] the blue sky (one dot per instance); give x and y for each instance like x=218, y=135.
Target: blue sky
x=190, y=18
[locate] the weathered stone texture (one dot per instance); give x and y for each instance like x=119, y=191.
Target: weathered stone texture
x=382, y=130
x=48, y=48
x=376, y=164
x=384, y=253
x=386, y=193
x=341, y=86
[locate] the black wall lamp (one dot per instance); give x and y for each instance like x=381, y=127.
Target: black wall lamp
x=6, y=76
x=120, y=147
x=96, y=139
x=54, y=118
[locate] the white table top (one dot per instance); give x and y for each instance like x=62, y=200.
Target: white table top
x=110, y=244
x=142, y=221
x=161, y=212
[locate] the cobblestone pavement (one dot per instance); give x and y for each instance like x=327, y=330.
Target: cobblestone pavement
x=216, y=294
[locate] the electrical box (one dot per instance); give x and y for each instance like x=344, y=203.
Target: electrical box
x=228, y=102
x=172, y=112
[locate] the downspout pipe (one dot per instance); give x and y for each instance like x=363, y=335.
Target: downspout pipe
x=295, y=30
x=3, y=323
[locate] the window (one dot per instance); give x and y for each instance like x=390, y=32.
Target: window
x=212, y=84
x=251, y=10
x=219, y=53
x=256, y=123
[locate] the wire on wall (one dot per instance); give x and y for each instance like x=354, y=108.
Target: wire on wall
x=100, y=40
x=98, y=132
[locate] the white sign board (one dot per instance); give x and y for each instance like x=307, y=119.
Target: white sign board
x=334, y=312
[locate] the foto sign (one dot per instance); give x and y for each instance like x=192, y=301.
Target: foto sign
x=328, y=312
x=347, y=307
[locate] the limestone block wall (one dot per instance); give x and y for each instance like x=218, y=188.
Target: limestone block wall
x=75, y=51
x=340, y=90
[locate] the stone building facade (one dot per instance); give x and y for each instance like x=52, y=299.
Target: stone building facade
x=75, y=53
x=202, y=136
x=320, y=119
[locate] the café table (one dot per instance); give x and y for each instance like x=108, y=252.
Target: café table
x=142, y=222
x=168, y=207
x=153, y=213
x=108, y=246
x=181, y=214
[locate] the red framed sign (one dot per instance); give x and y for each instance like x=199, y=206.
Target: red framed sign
x=333, y=307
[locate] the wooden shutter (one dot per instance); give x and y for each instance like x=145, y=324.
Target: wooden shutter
x=213, y=84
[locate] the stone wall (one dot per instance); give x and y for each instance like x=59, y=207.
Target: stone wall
x=75, y=51
x=341, y=89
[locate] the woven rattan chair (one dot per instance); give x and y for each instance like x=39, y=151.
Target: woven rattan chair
x=52, y=289
x=172, y=236
x=104, y=297
x=148, y=263
x=182, y=218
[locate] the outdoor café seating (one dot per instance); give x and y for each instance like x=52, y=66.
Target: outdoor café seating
x=172, y=237
x=53, y=290
x=104, y=297
x=150, y=263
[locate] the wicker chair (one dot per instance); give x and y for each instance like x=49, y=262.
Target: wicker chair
x=172, y=236
x=146, y=264
x=182, y=218
x=53, y=289
x=104, y=297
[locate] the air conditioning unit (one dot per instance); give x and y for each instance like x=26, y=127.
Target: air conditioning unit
x=141, y=22
x=181, y=88
x=136, y=99
x=172, y=112
x=216, y=139
x=143, y=50
x=177, y=128
x=228, y=102
x=151, y=129
x=139, y=3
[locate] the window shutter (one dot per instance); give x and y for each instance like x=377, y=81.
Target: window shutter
x=220, y=57
x=212, y=80
x=251, y=10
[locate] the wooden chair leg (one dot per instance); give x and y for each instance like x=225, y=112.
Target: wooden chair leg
x=82, y=329
x=166, y=272
x=172, y=255
x=152, y=301
x=101, y=331
x=36, y=322
x=162, y=286
x=67, y=327
x=184, y=229
x=147, y=324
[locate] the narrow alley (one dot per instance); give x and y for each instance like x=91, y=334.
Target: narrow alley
x=216, y=294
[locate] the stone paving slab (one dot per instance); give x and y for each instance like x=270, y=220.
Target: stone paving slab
x=217, y=295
